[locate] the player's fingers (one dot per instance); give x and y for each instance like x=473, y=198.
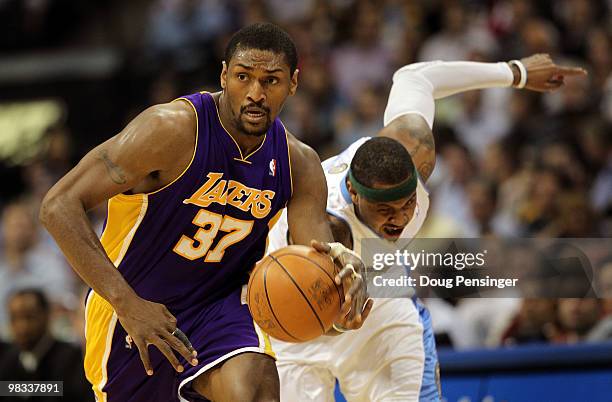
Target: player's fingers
x=357, y=298
x=571, y=70
x=144, y=355
x=180, y=346
x=166, y=350
x=553, y=85
x=359, y=320
x=366, y=309
x=320, y=246
x=344, y=273
x=345, y=309
x=183, y=338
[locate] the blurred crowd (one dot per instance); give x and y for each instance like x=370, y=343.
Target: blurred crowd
x=510, y=163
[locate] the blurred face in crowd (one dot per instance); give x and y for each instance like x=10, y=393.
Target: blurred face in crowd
x=369, y=105
x=536, y=312
x=454, y=17
x=29, y=320
x=387, y=219
x=538, y=36
x=458, y=161
x=18, y=228
x=578, y=315
x=367, y=28
x=575, y=94
x=546, y=188
x=482, y=202
x=255, y=85
x=605, y=280
x=497, y=163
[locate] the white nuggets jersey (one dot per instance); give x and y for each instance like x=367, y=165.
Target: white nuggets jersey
x=339, y=204
x=391, y=337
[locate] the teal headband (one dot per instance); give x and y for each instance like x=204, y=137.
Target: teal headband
x=402, y=190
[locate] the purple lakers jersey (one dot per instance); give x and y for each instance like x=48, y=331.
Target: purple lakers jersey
x=197, y=238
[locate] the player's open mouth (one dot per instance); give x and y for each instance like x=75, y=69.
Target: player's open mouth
x=392, y=231
x=255, y=115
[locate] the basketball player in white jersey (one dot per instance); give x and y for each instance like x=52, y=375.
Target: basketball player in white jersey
x=377, y=189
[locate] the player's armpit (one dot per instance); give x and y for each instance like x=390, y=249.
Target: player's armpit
x=413, y=132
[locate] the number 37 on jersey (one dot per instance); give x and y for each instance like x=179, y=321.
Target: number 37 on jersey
x=216, y=190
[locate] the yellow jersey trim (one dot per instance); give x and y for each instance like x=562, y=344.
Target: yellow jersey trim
x=125, y=213
x=264, y=341
x=242, y=158
x=100, y=323
x=288, y=156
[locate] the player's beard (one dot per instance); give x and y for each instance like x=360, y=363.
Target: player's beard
x=244, y=128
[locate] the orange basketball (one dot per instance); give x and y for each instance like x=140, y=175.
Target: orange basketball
x=292, y=294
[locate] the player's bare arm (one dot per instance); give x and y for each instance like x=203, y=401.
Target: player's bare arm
x=409, y=113
x=149, y=153
x=341, y=231
x=307, y=219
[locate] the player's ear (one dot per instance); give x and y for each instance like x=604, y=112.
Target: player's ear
x=294, y=82
x=223, y=74
x=352, y=192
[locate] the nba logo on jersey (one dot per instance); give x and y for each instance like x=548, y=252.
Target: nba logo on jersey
x=272, y=168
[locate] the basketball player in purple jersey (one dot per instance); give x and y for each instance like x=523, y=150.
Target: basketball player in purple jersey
x=193, y=187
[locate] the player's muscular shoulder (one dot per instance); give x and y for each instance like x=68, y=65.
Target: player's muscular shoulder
x=162, y=139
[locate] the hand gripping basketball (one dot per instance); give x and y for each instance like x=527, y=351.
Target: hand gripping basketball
x=357, y=305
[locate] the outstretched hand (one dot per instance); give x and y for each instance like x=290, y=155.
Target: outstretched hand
x=543, y=75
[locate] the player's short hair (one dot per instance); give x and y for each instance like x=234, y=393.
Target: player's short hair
x=39, y=295
x=381, y=160
x=264, y=36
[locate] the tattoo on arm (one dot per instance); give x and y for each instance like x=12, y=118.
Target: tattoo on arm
x=425, y=170
x=419, y=142
x=114, y=171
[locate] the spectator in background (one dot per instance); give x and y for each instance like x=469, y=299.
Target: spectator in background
x=25, y=261
x=599, y=54
x=576, y=318
x=538, y=36
x=560, y=156
x=603, y=330
x=362, y=61
x=480, y=123
x=184, y=30
x=5, y=349
x=459, y=37
x=604, y=280
x=575, y=17
x=540, y=209
x=532, y=323
x=37, y=356
x=482, y=196
x=362, y=119
x=453, y=171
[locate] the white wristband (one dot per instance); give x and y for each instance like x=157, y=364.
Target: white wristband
x=522, y=70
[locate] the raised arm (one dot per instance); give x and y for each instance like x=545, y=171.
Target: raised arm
x=156, y=144
x=410, y=110
x=307, y=220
